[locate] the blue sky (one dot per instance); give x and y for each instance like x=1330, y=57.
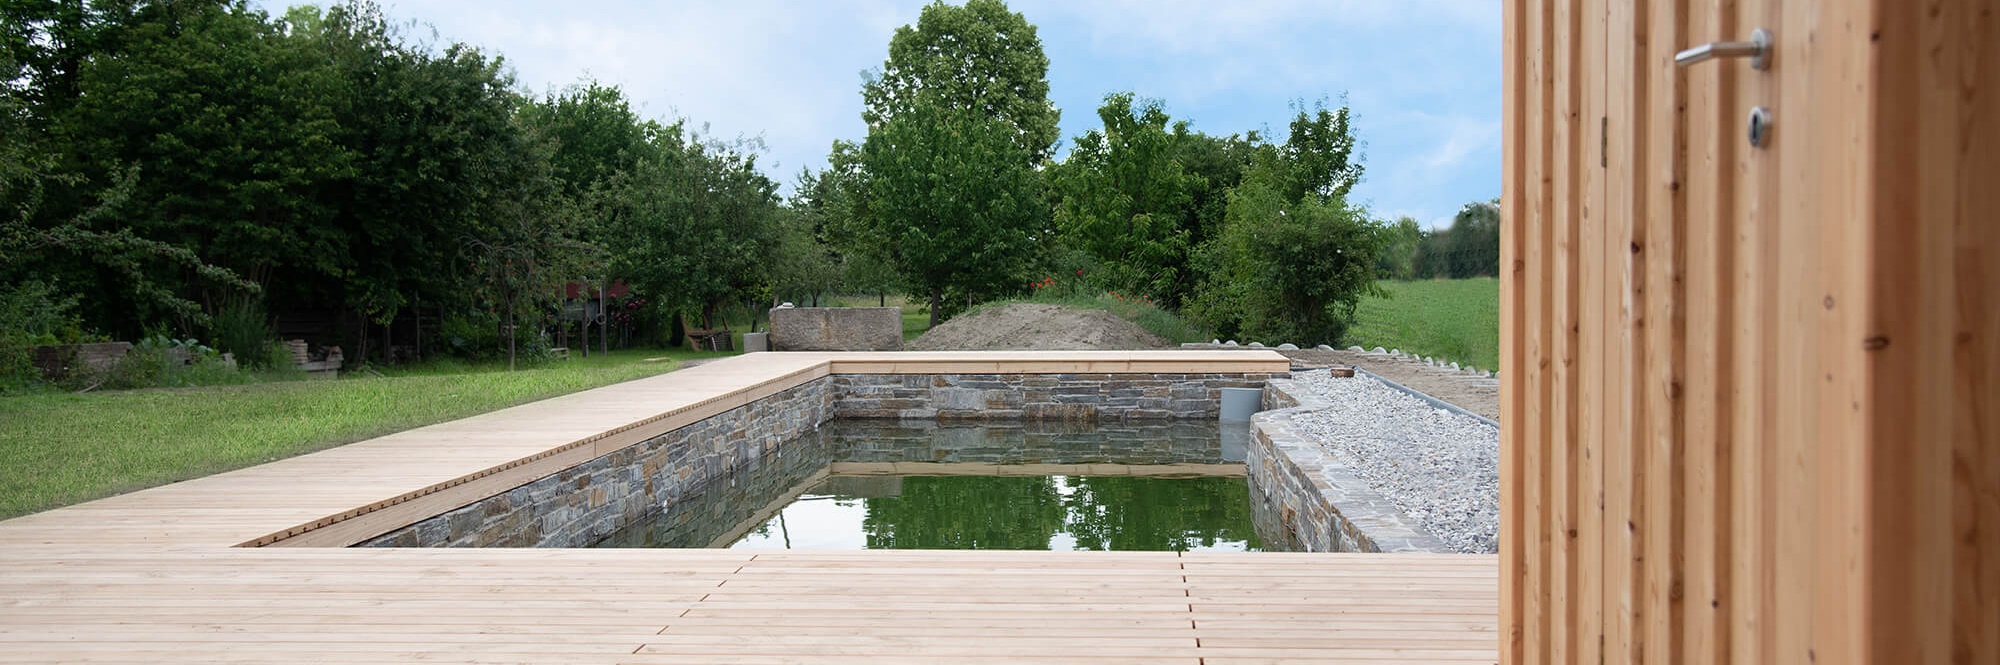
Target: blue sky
x=1423, y=76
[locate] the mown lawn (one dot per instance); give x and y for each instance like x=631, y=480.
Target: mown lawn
x=1456, y=320
x=58, y=449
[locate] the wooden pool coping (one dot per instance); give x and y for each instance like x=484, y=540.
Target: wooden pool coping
x=162, y=574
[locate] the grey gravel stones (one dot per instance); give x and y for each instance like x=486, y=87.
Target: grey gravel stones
x=1440, y=468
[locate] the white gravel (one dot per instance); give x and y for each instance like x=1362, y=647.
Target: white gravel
x=1441, y=468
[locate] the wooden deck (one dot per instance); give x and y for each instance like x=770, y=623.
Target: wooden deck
x=158, y=575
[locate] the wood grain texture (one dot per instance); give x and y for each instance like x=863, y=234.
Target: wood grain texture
x=1749, y=390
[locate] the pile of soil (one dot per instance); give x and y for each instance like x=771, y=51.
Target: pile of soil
x=1036, y=326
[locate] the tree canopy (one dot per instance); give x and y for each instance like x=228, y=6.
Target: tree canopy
x=979, y=58
x=202, y=168
x=959, y=119
x=1126, y=197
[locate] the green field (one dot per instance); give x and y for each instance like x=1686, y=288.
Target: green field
x=58, y=449
x=1456, y=320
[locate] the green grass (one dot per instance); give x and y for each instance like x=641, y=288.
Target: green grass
x=1456, y=320
x=58, y=449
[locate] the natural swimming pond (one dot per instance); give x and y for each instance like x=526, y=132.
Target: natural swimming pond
x=1038, y=486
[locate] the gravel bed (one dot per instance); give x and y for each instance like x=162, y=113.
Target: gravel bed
x=1441, y=468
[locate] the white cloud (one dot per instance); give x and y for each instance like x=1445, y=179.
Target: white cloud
x=1423, y=74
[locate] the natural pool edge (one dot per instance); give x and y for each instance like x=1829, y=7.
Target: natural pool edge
x=1325, y=507
x=584, y=502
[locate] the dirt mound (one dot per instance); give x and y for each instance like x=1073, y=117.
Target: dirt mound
x=1036, y=326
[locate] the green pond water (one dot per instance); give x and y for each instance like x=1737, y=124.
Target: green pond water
x=798, y=497
x=1013, y=513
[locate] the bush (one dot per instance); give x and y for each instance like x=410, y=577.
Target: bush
x=32, y=313
x=1288, y=272
x=159, y=361
x=241, y=329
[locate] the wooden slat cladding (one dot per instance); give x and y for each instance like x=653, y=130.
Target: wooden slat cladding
x=1749, y=411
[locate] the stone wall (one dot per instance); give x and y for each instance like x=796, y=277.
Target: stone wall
x=584, y=503
x=1165, y=442
x=706, y=516
x=1102, y=398
x=837, y=329
x=1321, y=504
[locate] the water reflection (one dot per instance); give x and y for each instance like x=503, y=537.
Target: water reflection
x=1015, y=513
x=789, y=501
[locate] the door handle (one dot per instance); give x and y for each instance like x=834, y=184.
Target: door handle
x=1758, y=49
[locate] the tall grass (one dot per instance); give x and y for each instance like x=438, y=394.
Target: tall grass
x=62, y=448
x=1456, y=320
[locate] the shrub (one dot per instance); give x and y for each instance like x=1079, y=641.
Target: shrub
x=1288, y=271
x=241, y=329
x=32, y=313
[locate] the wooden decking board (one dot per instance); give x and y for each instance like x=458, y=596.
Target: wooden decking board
x=152, y=576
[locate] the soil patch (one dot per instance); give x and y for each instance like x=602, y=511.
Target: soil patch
x=1036, y=326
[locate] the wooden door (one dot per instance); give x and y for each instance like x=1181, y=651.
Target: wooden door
x=1749, y=401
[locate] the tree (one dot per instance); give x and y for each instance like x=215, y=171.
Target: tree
x=950, y=194
x=1470, y=248
x=1125, y=197
x=1319, y=156
x=959, y=118
x=979, y=57
x=1400, y=243
x=697, y=224
x=1294, y=257
x=1288, y=271
x=595, y=132
x=837, y=199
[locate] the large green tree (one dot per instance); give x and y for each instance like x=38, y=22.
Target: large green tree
x=697, y=224
x=959, y=120
x=1125, y=198
x=1294, y=257
x=953, y=201
x=979, y=57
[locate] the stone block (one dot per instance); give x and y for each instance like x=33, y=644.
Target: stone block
x=837, y=329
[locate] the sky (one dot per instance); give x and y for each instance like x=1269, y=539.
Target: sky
x=1422, y=76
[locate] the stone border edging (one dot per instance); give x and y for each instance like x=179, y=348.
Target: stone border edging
x=1433, y=401
x=1327, y=507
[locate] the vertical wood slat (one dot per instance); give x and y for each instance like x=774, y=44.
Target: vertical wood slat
x=1711, y=354
x=1589, y=362
x=1660, y=141
x=1563, y=568
x=1975, y=258
x=1517, y=81
x=1620, y=485
x=1749, y=401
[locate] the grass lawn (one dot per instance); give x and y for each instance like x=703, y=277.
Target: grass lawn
x=1456, y=320
x=58, y=449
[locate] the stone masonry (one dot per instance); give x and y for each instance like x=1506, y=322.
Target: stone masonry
x=1102, y=398
x=1322, y=505
x=584, y=503
x=836, y=329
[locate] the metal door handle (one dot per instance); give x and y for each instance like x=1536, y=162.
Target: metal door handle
x=1758, y=49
